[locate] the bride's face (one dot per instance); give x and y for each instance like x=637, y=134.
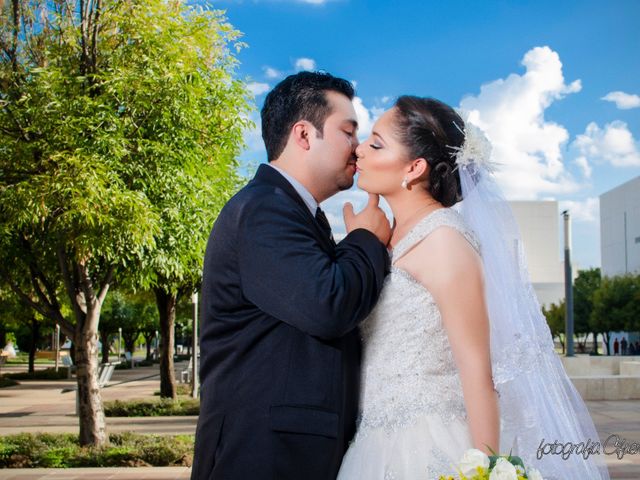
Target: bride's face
x=382, y=160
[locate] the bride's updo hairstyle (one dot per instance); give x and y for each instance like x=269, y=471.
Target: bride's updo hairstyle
x=432, y=130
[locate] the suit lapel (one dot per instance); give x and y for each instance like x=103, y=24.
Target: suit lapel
x=271, y=176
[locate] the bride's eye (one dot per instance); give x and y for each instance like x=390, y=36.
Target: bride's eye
x=375, y=147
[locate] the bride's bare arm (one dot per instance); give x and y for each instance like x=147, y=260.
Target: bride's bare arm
x=447, y=265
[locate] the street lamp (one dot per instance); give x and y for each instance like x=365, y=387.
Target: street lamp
x=57, y=345
x=119, y=343
x=194, y=348
x=568, y=284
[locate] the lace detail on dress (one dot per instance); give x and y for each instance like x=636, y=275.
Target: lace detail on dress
x=408, y=366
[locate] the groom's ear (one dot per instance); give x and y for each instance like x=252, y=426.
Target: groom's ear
x=301, y=131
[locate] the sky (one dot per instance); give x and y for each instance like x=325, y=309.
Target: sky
x=555, y=85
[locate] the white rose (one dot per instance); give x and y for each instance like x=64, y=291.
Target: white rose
x=533, y=474
x=471, y=460
x=503, y=470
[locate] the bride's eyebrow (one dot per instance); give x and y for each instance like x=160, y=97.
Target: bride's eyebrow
x=378, y=135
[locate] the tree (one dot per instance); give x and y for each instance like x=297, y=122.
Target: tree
x=586, y=283
x=194, y=132
x=99, y=112
x=615, y=305
x=555, y=316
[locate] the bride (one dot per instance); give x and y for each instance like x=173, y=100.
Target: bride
x=456, y=353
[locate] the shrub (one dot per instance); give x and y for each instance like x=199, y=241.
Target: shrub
x=124, y=450
x=152, y=408
x=7, y=382
x=46, y=374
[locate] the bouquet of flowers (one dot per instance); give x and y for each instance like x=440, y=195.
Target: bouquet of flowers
x=476, y=465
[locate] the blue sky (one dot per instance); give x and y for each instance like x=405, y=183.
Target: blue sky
x=555, y=85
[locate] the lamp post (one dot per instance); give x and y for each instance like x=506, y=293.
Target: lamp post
x=568, y=284
x=119, y=343
x=194, y=348
x=57, y=345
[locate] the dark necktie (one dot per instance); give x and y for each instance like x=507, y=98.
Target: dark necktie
x=324, y=223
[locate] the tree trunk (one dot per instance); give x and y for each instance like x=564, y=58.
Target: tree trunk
x=130, y=343
x=104, y=339
x=595, y=343
x=606, y=341
x=148, y=339
x=92, y=421
x=33, y=345
x=166, y=303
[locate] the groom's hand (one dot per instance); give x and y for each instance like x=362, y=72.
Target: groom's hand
x=372, y=218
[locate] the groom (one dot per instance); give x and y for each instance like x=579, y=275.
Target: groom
x=281, y=301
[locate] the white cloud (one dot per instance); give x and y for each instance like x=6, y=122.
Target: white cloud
x=358, y=198
x=583, y=163
x=253, y=136
x=272, y=73
x=614, y=144
x=587, y=210
x=623, y=101
x=257, y=88
x=366, y=117
x=305, y=64
x=526, y=145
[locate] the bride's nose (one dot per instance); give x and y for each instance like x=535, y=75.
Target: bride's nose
x=358, y=151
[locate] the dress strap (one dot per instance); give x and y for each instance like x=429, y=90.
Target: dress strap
x=442, y=217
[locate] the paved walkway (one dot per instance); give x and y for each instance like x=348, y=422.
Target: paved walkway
x=40, y=406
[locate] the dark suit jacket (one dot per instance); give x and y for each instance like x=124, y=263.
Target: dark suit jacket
x=279, y=341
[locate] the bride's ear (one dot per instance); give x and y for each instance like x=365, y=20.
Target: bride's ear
x=418, y=170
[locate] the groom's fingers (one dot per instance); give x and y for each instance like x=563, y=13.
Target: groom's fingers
x=347, y=213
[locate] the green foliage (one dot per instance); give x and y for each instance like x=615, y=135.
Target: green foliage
x=124, y=450
x=616, y=304
x=7, y=382
x=152, y=408
x=46, y=374
x=586, y=283
x=555, y=316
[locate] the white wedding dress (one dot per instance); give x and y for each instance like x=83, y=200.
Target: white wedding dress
x=412, y=422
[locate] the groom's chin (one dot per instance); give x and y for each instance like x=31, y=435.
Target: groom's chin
x=346, y=184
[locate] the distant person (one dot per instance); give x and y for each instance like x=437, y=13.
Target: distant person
x=9, y=350
x=281, y=301
x=637, y=344
x=623, y=345
x=616, y=346
x=632, y=348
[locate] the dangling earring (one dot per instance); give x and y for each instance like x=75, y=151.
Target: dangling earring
x=404, y=183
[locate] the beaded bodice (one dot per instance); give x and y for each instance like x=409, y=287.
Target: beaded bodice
x=408, y=366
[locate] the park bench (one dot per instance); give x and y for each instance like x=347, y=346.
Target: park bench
x=185, y=373
x=129, y=358
x=67, y=361
x=105, y=371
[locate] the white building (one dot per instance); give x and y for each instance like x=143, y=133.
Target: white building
x=539, y=224
x=620, y=229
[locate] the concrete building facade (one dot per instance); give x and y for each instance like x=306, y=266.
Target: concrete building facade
x=539, y=224
x=620, y=229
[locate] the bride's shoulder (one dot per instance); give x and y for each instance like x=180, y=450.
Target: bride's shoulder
x=447, y=250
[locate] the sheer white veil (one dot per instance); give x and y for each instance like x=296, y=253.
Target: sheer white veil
x=538, y=402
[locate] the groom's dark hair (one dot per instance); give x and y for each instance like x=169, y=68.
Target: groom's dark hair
x=298, y=97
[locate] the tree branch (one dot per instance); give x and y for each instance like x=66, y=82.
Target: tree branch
x=106, y=283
